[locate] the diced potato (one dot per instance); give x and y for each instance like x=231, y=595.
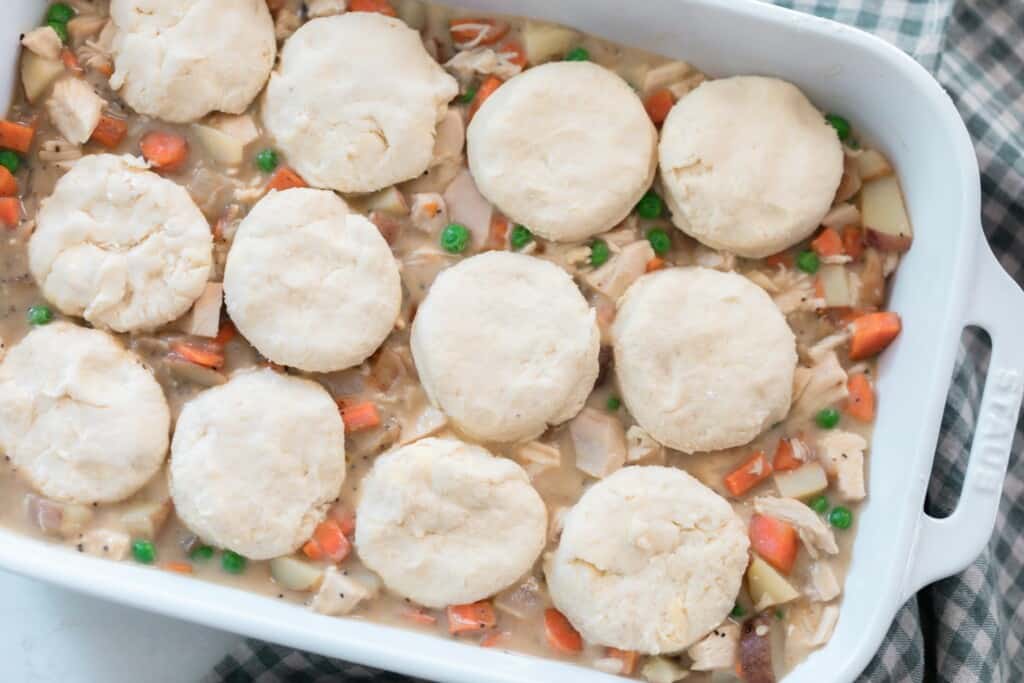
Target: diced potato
x=38, y=74
x=642, y=446
x=768, y=587
x=885, y=215
x=239, y=126
x=224, y=148
x=836, y=286
x=338, y=594
x=872, y=165
x=146, y=520
x=296, y=575
x=665, y=75
x=43, y=41
x=389, y=201
x=599, y=441
x=663, y=670
x=802, y=483
x=544, y=42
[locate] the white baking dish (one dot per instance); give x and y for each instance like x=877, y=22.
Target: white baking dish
x=949, y=279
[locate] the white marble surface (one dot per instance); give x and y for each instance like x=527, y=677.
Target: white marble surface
x=50, y=635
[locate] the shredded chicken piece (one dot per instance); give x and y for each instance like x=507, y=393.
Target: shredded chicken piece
x=841, y=215
x=641, y=446
x=719, y=260
x=614, y=277
x=823, y=586
x=811, y=528
x=537, y=457
x=339, y=594
x=325, y=8
x=74, y=109
x=204, y=318
x=687, y=85
x=665, y=75
x=482, y=61
x=821, y=348
x=450, y=139
x=809, y=625
x=43, y=41
x=818, y=387
x=577, y=256
x=429, y=213
x=59, y=150
x=718, y=650
x=842, y=454
x=791, y=290
x=837, y=260
x=599, y=441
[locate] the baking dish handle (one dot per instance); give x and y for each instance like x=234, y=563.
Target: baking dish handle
x=946, y=546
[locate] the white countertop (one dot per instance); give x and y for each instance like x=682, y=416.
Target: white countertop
x=50, y=635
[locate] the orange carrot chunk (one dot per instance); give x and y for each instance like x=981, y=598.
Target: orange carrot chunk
x=477, y=31
x=378, y=6
x=860, y=404
x=872, y=333
x=330, y=542
x=285, y=178
x=8, y=183
x=110, y=131
x=627, y=657
x=560, y=634
x=226, y=333
x=827, y=243
x=70, y=61
x=418, y=616
x=513, y=51
x=785, y=458
x=16, y=136
x=476, y=616
x=346, y=522
x=748, y=475
x=485, y=90
x=658, y=104
x=775, y=541
x=178, y=567
x=498, y=232
x=10, y=211
x=656, y=263
x=853, y=242
x=164, y=151
x=200, y=356
x=359, y=416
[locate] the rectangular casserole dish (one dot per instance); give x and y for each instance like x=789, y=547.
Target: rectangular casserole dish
x=947, y=281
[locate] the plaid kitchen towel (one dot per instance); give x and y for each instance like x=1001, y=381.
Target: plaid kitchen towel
x=968, y=628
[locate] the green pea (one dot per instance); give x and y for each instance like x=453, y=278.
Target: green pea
x=232, y=562
x=819, y=505
x=468, y=96
x=143, y=551
x=455, y=238
x=60, y=12
x=266, y=160
x=599, y=253
x=827, y=418
x=808, y=262
x=577, y=54
x=201, y=553
x=650, y=206
x=660, y=241
x=779, y=614
x=737, y=611
x=613, y=403
x=840, y=517
x=842, y=126
x=61, y=28
x=11, y=160
x=39, y=315
x=520, y=237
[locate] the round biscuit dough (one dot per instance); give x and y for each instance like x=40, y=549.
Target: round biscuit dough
x=256, y=462
x=748, y=165
x=120, y=246
x=444, y=522
x=355, y=102
x=179, y=60
x=310, y=284
x=81, y=418
x=565, y=148
x=649, y=560
x=704, y=359
x=506, y=345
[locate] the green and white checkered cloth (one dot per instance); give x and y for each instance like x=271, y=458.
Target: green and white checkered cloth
x=968, y=628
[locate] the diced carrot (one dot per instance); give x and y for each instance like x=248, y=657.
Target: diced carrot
x=328, y=542
x=208, y=358
x=359, y=416
x=560, y=634
x=658, y=104
x=627, y=657
x=285, y=178
x=378, y=6
x=498, y=231
x=164, y=151
x=783, y=258
x=656, y=263
x=775, y=541
x=476, y=616
x=748, y=475
x=105, y=68
x=492, y=639
x=785, y=458
x=872, y=333
x=860, y=404
x=819, y=288
x=478, y=31
x=513, y=51
x=10, y=211
x=419, y=616
x=178, y=567
x=431, y=208
x=8, y=183
x=346, y=521
x=485, y=90
x=16, y=136
x=827, y=243
x=226, y=333
x=70, y=61
x=110, y=131
x=853, y=242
